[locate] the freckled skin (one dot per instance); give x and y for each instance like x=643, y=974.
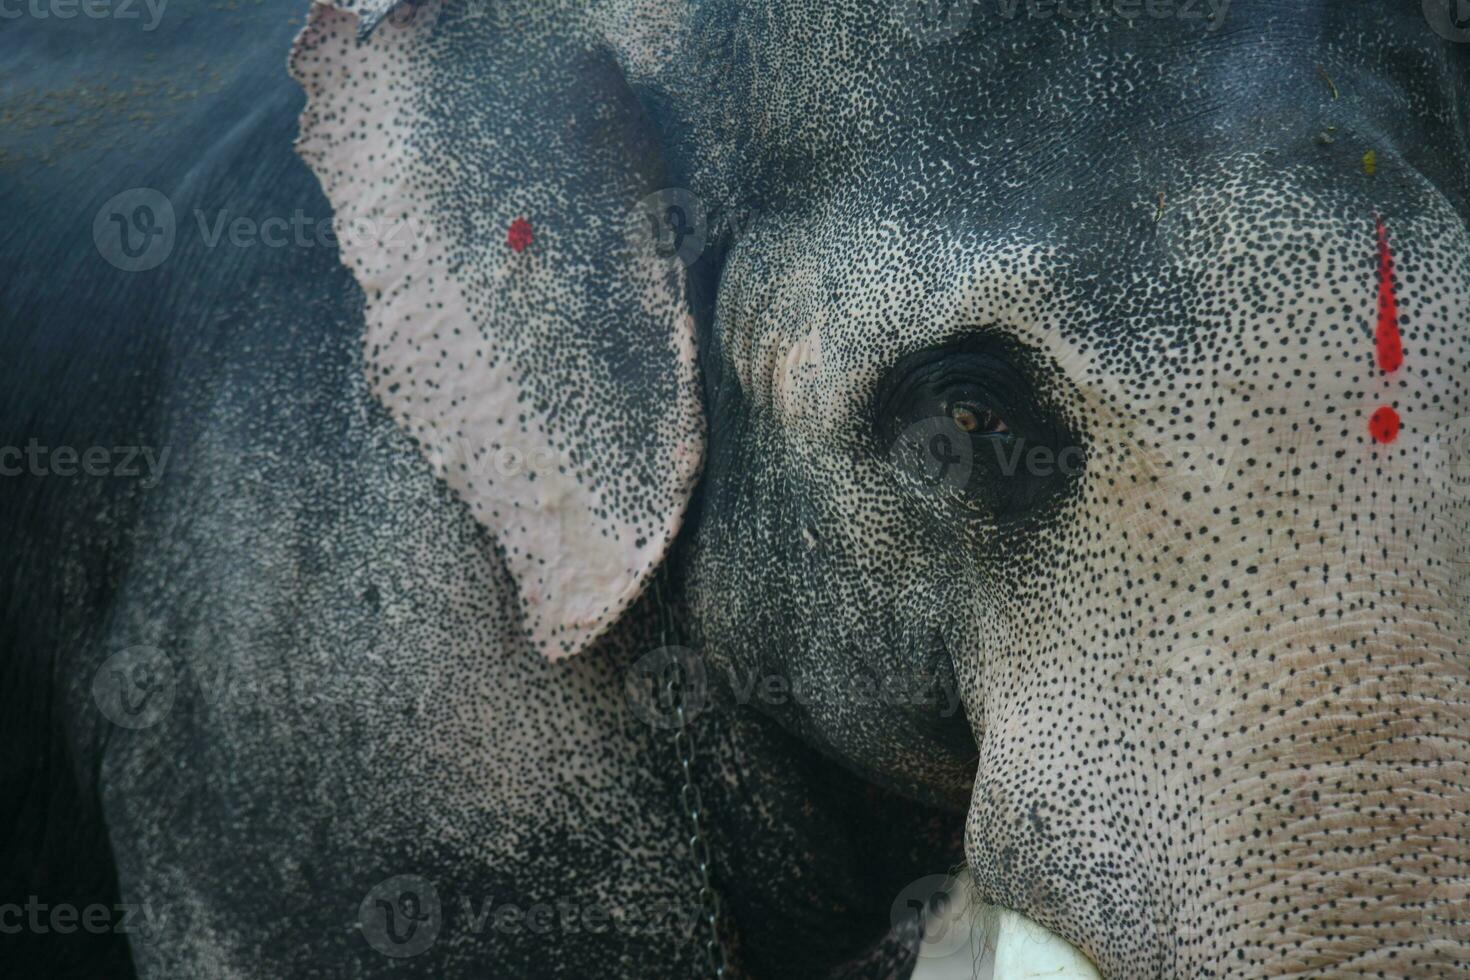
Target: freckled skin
x=353, y=701
x=354, y=695
x=1219, y=681
x=1215, y=680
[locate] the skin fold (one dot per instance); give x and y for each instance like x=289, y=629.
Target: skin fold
x=1190, y=688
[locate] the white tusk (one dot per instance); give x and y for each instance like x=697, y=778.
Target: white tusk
x=1025, y=949
x=999, y=944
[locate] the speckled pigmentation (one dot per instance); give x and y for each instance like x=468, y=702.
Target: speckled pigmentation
x=1210, y=677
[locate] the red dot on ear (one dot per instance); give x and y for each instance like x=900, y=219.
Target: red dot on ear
x=519, y=235
x=1383, y=425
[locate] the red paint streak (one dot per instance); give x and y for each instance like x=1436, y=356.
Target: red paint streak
x=1383, y=425
x=519, y=235
x=1390, y=342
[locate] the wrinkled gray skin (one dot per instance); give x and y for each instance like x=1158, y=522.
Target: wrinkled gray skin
x=1218, y=680
x=1215, y=680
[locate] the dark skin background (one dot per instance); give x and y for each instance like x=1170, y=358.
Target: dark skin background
x=92, y=357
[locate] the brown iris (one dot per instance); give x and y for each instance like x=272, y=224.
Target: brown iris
x=974, y=419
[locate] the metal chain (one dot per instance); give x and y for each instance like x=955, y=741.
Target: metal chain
x=684, y=749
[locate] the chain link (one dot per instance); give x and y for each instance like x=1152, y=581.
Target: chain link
x=693, y=803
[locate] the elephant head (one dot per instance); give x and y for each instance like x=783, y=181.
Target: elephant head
x=1104, y=369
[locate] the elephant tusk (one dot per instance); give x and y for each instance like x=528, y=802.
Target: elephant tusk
x=1002, y=945
x=1024, y=949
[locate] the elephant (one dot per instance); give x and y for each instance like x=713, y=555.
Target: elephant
x=528, y=488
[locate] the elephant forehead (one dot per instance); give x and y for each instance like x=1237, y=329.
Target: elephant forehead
x=1265, y=284
x=812, y=325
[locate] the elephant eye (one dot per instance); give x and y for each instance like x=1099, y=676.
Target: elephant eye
x=962, y=423
x=977, y=420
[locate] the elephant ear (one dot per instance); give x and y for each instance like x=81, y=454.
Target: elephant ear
x=486, y=167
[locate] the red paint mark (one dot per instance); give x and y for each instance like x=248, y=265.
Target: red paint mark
x=519, y=235
x=1383, y=425
x=1390, y=342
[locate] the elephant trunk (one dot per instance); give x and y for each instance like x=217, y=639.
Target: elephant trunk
x=1334, y=798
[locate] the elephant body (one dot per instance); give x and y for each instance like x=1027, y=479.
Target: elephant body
x=606, y=329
